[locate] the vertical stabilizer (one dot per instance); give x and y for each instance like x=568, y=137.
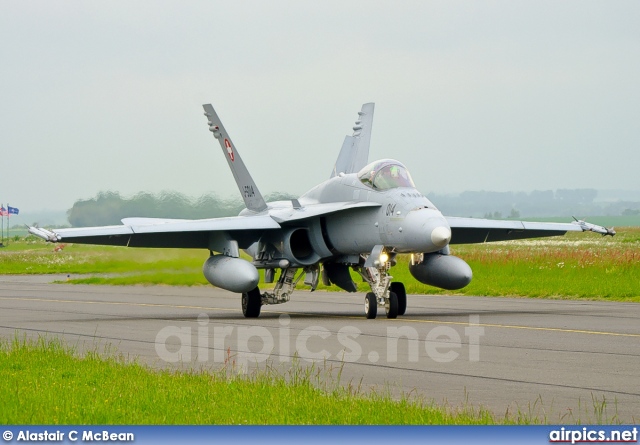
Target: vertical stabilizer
x=253, y=200
x=355, y=150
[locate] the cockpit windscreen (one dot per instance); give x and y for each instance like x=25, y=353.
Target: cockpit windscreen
x=385, y=175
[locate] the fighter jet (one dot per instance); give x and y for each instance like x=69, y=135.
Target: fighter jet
x=359, y=219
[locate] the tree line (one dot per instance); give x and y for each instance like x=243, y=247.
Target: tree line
x=108, y=208
x=538, y=203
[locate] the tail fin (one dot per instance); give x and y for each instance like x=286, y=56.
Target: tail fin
x=355, y=150
x=248, y=189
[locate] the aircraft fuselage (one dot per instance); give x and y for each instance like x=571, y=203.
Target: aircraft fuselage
x=403, y=220
x=406, y=219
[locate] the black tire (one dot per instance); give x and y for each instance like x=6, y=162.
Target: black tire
x=392, y=305
x=251, y=303
x=398, y=289
x=370, y=306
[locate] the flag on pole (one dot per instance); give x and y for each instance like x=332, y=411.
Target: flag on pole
x=12, y=210
x=3, y=211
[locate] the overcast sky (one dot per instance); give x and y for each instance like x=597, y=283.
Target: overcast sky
x=470, y=95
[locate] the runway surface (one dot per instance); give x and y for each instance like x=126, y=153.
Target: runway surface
x=552, y=358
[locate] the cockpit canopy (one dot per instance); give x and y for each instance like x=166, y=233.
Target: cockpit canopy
x=385, y=174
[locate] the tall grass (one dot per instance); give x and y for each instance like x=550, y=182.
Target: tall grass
x=44, y=382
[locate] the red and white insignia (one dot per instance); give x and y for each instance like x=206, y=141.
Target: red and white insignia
x=229, y=149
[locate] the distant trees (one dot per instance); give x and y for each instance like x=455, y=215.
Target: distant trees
x=538, y=203
x=513, y=214
x=494, y=215
x=578, y=196
x=109, y=208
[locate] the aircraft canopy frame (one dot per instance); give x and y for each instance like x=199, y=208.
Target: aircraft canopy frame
x=385, y=174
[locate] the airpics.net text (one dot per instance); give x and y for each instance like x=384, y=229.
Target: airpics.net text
x=244, y=345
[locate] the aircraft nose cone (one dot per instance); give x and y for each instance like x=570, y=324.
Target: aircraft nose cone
x=426, y=230
x=440, y=236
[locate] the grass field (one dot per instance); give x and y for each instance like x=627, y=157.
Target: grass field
x=578, y=265
x=43, y=382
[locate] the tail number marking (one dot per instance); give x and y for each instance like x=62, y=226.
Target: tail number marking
x=248, y=192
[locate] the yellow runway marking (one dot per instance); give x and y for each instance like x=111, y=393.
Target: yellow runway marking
x=118, y=303
x=405, y=320
x=532, y=328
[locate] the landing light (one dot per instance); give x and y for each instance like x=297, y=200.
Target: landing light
x=384, y=258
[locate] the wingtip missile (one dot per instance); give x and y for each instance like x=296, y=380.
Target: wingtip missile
x=588, y=227
x=45, y=234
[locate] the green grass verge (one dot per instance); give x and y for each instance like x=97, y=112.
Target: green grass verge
x=576, y=266
x=33, y=256
x=44, y=382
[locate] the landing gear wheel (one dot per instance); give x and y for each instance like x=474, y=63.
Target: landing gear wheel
x=391, y=305
x=398, y=289
x=251, y=303
x=370, y=305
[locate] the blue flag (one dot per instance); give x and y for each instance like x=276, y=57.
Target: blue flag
x=13, y=210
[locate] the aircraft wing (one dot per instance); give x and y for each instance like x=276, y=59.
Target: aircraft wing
x=156, y=232
x=476, y=230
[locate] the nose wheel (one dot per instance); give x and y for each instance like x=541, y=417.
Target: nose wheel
x=370, y=306
x=391, y=305
x=392, y=296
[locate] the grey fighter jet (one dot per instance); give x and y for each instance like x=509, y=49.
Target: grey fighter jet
x=359, y=219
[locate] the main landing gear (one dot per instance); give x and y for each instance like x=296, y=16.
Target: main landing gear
x=251, y=303
x=398, y=289
x=383, y=293
x=253, y=300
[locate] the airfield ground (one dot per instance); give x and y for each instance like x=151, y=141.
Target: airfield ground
x=558, y=361
x=552, y=361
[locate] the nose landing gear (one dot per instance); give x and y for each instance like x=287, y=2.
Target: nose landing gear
x=383, y=293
